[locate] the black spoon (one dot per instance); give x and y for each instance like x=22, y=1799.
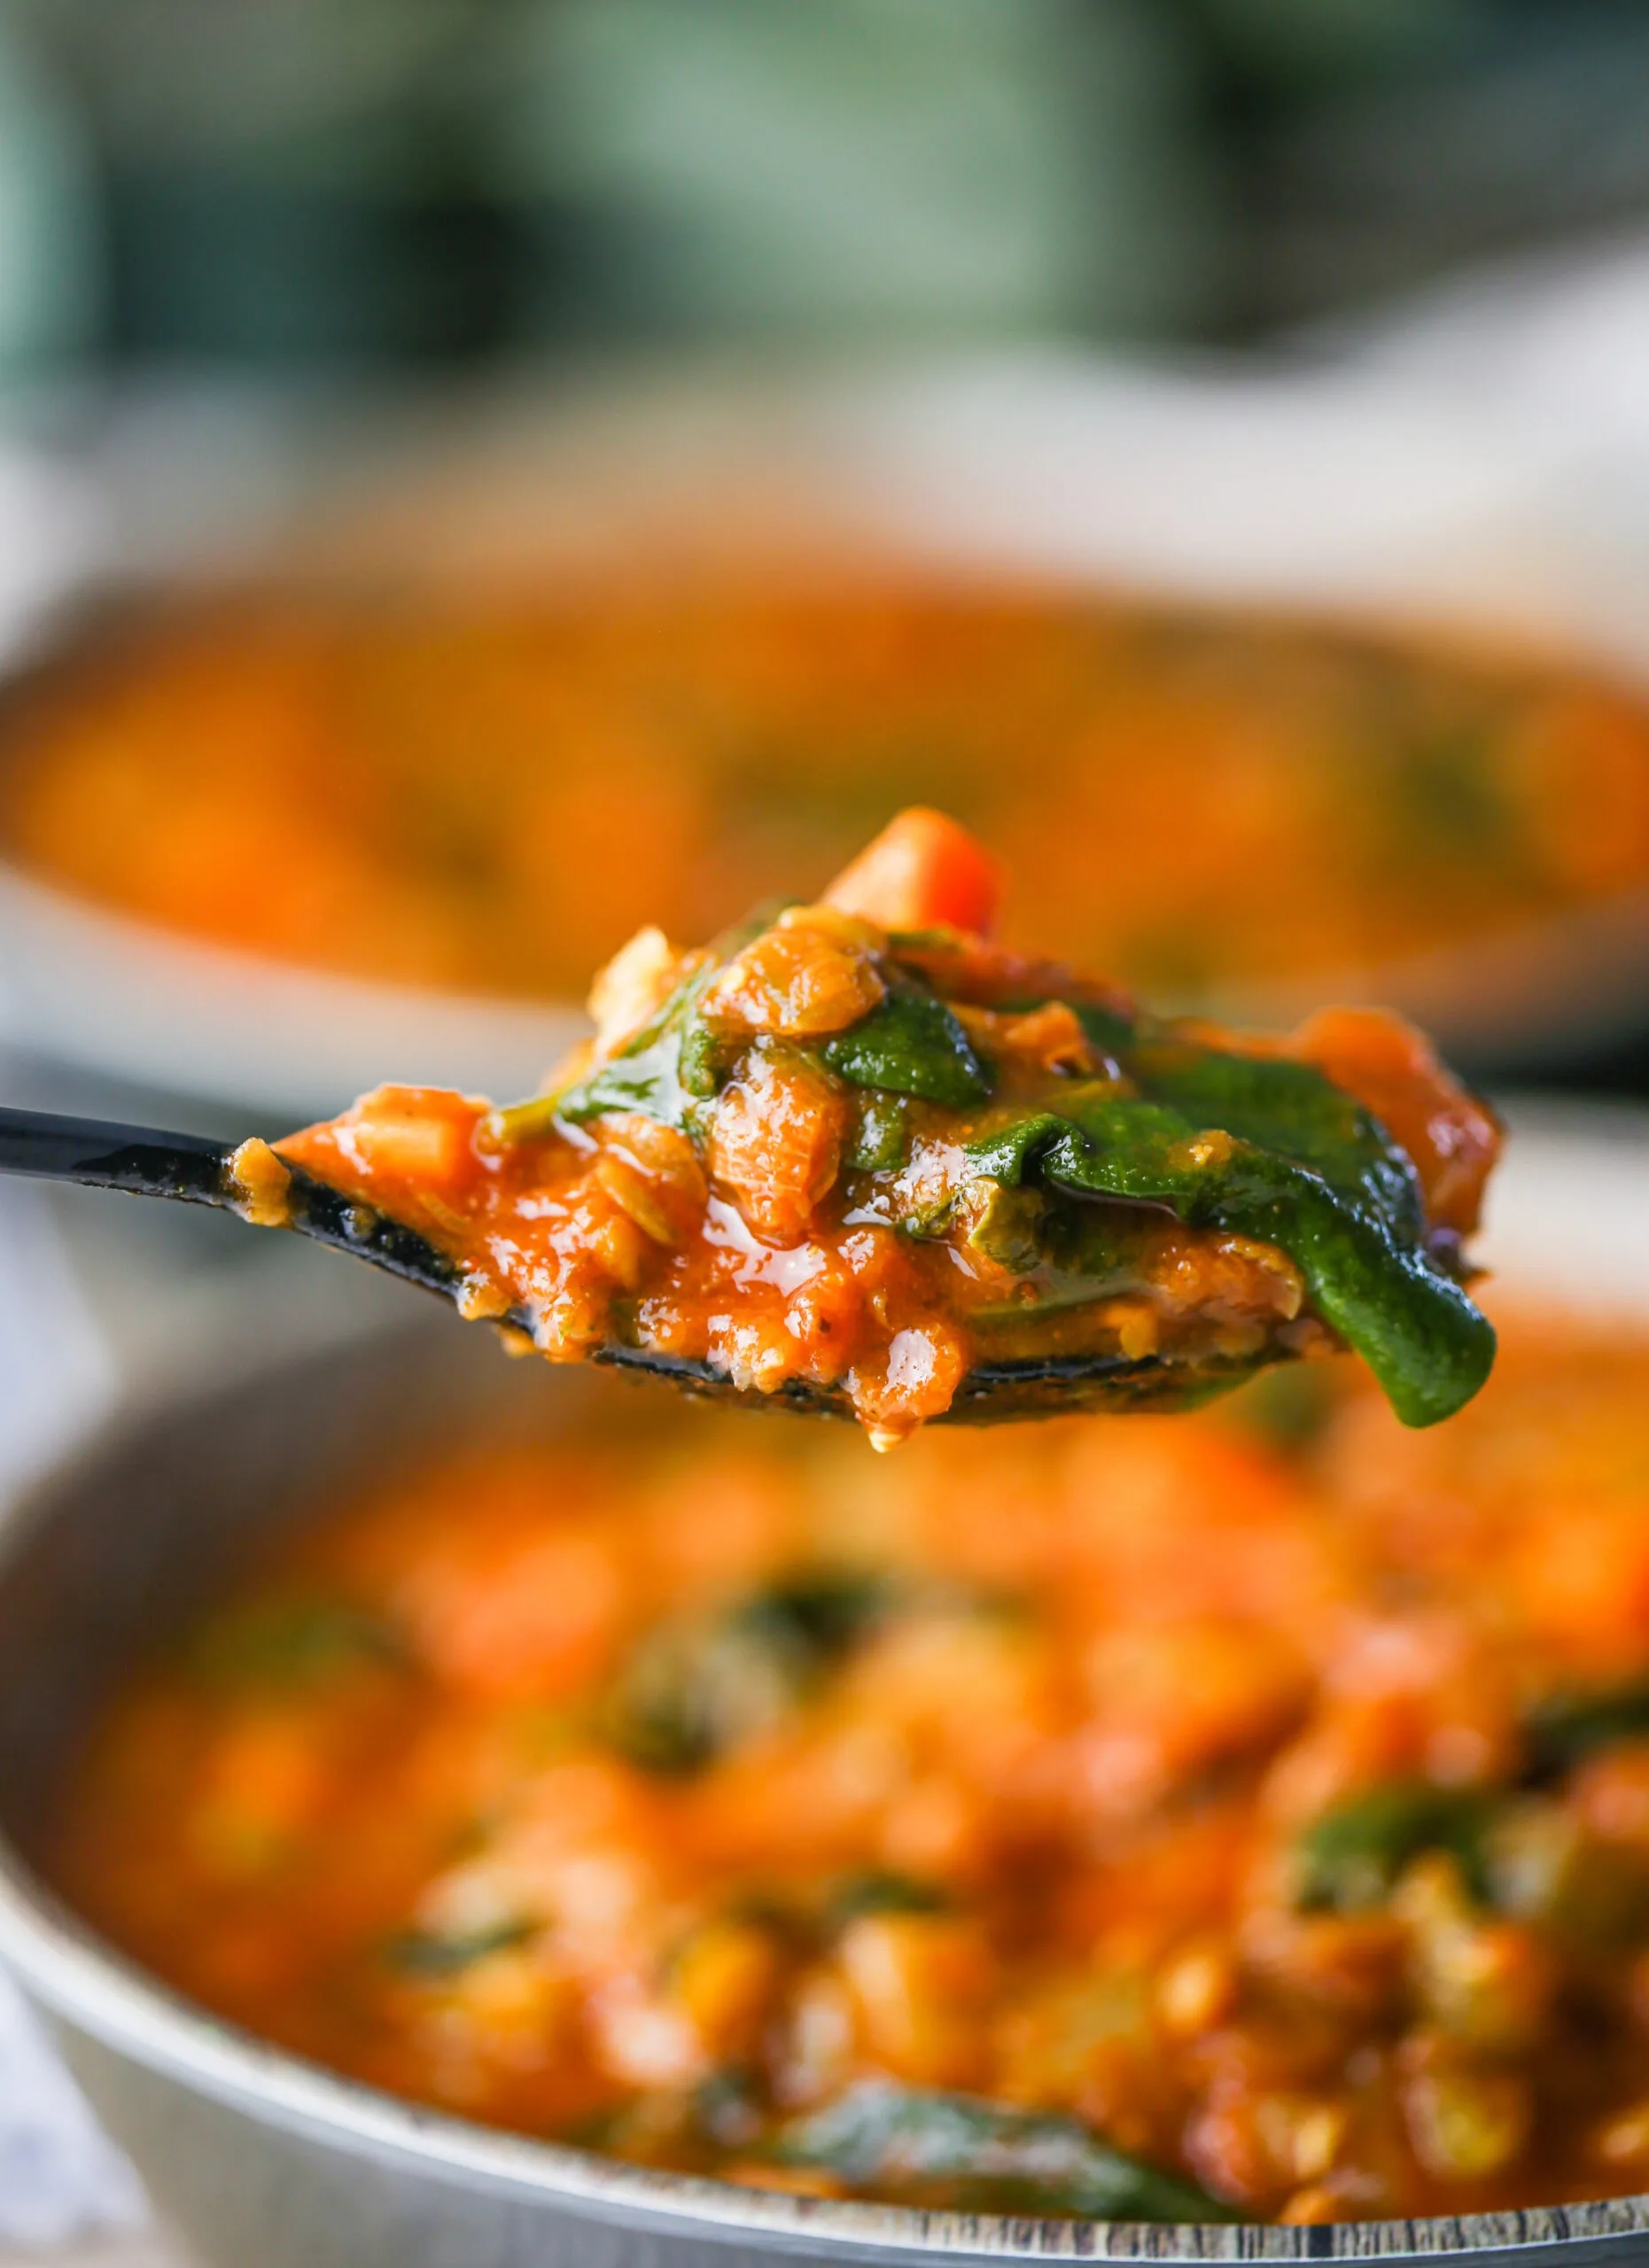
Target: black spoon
x=192, y=1170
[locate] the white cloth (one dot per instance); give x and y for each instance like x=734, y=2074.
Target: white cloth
x=60, y=2181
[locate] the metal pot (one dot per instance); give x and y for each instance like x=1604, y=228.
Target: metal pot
x=265, y=2162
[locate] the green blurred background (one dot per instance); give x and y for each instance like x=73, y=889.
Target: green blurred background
x=441, y=183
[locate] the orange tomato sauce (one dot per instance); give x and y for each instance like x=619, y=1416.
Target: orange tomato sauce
x=491, y=796
x=1267, y=1789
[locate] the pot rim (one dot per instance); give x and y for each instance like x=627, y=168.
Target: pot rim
x=60, y=1961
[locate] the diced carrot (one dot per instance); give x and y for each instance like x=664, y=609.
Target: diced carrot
x=922, y=872
x=401, y=1140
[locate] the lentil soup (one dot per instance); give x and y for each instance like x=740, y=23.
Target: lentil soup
x=1245, y=1813
x=854, y=1152
x=491, y=795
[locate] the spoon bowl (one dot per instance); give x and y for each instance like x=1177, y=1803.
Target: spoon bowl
x=991, y=1394
x=187, y=1168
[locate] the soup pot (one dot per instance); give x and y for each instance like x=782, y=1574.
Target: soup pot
x=265, y=2162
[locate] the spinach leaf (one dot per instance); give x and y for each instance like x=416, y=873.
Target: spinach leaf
x=293, y=1645
x=818, y=1614
x=1110, y=1032
x=1288, y=1109
x=1565, y=1728
x=694, y=1688
x=1073, y=1254
x=665, y=1069
x=910, y=1043
x=726, y=2107
x=427, y=1954
x=1339, y=1200
x=1347, y=1861
x=881, y=1141
x=880, y=1890
x=958, y=2151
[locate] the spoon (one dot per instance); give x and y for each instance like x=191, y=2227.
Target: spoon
x=190, y=1170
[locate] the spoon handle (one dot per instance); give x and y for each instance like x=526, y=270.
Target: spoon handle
x=108, y=1156
x=147, y=1162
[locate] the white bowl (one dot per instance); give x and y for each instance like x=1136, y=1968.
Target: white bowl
x=1265, y=492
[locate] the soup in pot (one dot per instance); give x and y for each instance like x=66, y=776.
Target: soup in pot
x=491, y=795
x=1240, y=1813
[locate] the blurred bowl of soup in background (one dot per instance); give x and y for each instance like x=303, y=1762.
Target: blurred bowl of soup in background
x=383, y=798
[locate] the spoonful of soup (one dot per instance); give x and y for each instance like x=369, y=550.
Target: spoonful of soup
x=854, y=1158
